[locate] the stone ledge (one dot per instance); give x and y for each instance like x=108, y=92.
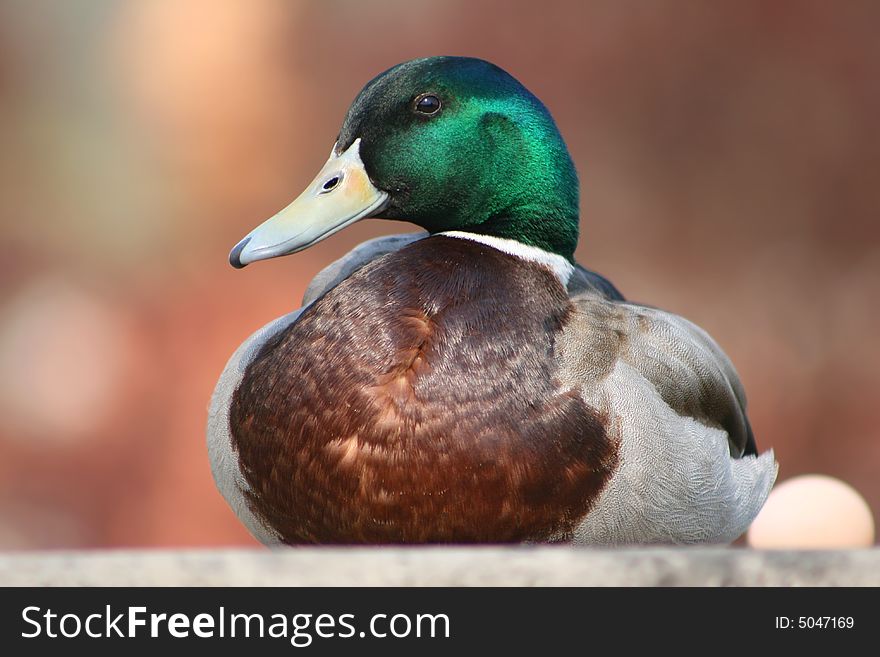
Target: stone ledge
x=443, y=566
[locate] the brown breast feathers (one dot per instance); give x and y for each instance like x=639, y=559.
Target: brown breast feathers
x=416, y=403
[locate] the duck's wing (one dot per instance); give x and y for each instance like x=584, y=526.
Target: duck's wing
x=692, y=374
x=702, y=354
x=688, y=469
x=336, y=272
x=686, y=367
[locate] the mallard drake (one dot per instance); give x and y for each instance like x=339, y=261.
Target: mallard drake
x=472, y=383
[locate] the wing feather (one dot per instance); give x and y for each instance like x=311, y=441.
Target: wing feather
x=684, y=364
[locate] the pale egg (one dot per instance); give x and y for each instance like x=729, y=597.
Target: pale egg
x=813, y=512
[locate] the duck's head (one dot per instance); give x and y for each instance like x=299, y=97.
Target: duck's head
x=447, y=143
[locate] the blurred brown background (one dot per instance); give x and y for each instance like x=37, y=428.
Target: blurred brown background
x=730, y=163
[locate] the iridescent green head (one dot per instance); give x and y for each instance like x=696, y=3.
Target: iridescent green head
x=447, y=143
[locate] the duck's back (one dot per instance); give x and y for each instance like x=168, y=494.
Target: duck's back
x=419, y=401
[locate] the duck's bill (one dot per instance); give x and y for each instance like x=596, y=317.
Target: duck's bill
x=340, y=195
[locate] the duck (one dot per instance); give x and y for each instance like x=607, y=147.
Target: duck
x=471, y=382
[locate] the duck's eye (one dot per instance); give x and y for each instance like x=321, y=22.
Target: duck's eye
x=427, y=104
